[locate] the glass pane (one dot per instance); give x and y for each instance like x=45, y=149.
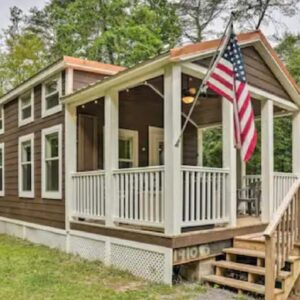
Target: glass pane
x=52, y=100
x=1, y=123
x=51, y=86
x=161, y=153
x=25, y=100
x=52, y=145
x=1, y=158
x=125, y=164
x=125, y=149
x=26, y=112
x=26, y=151
x=1, y=180
x=26, y=173
x=52, y=175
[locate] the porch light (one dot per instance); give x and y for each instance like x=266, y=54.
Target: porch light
x=189, y=95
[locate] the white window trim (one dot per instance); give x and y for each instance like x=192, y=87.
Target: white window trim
x=134, y=134
x=2, y=118
x=46, y=194
x=2, y=192
x=22, y=139
x=57, y=108
x=23, y=122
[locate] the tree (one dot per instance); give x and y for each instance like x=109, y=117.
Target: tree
x=253, y=13
x=115, y=31
x=289, y=51
x=197, y=15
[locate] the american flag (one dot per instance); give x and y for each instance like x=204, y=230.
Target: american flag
x=228, y=79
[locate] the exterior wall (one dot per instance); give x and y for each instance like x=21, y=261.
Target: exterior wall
x=83, y=78
x=258, y=73
x=35, y=210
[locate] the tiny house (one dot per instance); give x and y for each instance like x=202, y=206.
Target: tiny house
x=90, y=165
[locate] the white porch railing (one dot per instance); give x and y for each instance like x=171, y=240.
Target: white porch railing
x=282, y=184
x=204, y=196
x=139, y=196
x=89, y=195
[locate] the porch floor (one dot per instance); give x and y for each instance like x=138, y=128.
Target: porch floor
x=247, y=220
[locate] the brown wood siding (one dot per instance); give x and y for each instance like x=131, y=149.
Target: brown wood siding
x=258, y=73
x=41, y=211
x=82, y=78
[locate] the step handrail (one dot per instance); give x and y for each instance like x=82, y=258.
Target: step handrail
x=280, y=236
x=282, y=209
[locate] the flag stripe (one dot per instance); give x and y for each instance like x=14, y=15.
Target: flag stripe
x=228, y=80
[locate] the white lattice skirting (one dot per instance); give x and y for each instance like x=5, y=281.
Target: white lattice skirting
x=147, y=261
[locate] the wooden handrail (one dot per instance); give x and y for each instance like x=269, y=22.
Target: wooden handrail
x=280, y=236
x=282, y=209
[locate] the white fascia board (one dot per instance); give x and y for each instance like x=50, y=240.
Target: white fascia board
x=32, y=82
x=120, y=81
x=202, y=54
x=200, y=72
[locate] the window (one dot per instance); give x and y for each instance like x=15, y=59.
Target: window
x=52, y=162
x=2, y=169
x=1, y=119
x=51, y=91
x=128, y=148
x=26, y=103
x=26, y=166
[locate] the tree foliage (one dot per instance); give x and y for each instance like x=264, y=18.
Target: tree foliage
x=253, y=13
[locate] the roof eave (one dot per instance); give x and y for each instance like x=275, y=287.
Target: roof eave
x=119, y=81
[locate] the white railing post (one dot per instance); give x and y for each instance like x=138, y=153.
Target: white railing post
x=267, y=159
x=111, y=151
x=200, y=146
x=172, y=127
x=296, y=143
x=229, y=159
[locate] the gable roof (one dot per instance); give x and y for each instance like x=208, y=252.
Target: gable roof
x=188, y=53
x=57, y=66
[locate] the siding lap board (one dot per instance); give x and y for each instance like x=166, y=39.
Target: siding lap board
x=41, y=211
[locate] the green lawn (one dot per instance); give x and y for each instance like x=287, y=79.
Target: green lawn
x=35, y=272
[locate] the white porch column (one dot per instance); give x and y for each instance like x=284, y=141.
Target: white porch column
x=70, y=162
x=70, y=152
x=200, y=146
x=229, y=159
x=296, y=143
x=267, y=159
x=172, y=127
x=111, y=151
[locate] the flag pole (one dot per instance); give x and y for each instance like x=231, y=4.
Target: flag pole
x=213, y=63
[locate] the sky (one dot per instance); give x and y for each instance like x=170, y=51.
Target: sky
x=292, y=24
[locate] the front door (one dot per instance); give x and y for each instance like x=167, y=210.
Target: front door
x=156, y=146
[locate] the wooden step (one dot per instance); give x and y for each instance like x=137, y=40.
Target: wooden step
x=247, y=268
x=257, y=254
x=239, y=284
x=245, y=252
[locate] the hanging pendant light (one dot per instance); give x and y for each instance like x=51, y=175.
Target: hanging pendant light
x=188, y=95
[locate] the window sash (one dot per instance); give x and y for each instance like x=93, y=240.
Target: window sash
x=52, y=166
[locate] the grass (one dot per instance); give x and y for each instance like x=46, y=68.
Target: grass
x=35, y=272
